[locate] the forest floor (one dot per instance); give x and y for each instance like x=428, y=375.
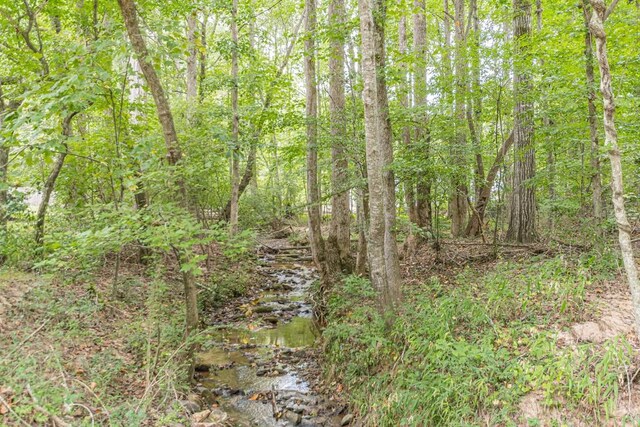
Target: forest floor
x=535, y=336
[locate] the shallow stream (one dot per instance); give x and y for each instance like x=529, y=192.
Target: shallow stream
x=255, y=367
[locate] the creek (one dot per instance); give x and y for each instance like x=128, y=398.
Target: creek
x=259, y=368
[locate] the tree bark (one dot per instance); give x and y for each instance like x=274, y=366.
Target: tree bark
x=339, y=239
x=174, y=155
x=458, y=201
x=235, y=152
x=596, y=25
x=522, y=221
x=596, y=180
x=423, y=185
x=313, y=191
x=382, y=248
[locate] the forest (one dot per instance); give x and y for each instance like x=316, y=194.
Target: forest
x=319, y=213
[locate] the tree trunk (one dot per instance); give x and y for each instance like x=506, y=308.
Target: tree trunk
x=522, y=221
x=476, y=222
x=4, y=184
x=235, y=152
x=382, y=247
x=596, y=26
x=50, y=183
x=405, y=100
x=192, y=67
x=458, y=202
x=174, y=155
x=313, y=192
x=423, y=185
x=596, y=180
x=339, y=240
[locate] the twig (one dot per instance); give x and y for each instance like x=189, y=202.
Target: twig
x=6, y=405
x=273, y=402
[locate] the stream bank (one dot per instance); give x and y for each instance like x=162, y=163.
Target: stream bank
x=259, y=367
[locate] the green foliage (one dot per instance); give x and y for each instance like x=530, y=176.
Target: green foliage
x=467, y=352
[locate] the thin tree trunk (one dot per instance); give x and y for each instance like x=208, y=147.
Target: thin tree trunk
x=596, y=25
x=405, y=100
x=423, y=185
x=192, y=67
x=313, y=191
x=476, y=222
x=522, y=221
x=382, y=247
x=4, y=184
x=50, y=183
x=596, y=180
x=458, y=201
x=174, y=155
x=339, y=239
x=235, y=152
x=250, y=166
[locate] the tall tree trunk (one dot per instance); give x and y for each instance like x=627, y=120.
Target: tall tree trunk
x=235, y=152
x=458, y=202
x=339, y=239
x=405, y=100
x=522, y=221
x=50, y=183
x=192, y=67
x=4, y=184
x=313, y=192
x=596, y=25
x=383, y=259
x=596, y=180
x=174, y=155
x=474, y=111
x=423, y=185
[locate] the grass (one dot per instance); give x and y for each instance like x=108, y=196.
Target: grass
x=467, y=349
x=74, y=351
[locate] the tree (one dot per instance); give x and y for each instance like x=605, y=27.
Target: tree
x=313, y=191
x=339, y=239
x=235, y=124
x=596, y=181
x=596, y=26
x=423, y=185
x=381, y=245
x=522, y=219
x=174, y=154
x=458, y=202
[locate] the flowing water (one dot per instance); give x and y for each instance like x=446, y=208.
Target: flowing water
x=253, y=368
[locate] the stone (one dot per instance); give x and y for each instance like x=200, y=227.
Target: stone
x=190, y=406
x=208, y=418
x=346, y=420
x=293, y=418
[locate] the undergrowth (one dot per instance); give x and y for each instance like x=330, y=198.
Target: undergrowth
x=467, y=351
